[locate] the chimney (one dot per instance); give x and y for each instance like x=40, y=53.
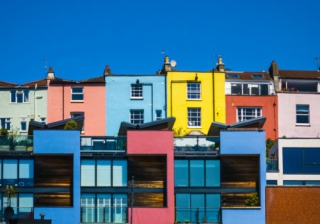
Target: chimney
x=220, y=65
x=50, y=74
x=107, y=71
x=166, y=66
x=274, y=73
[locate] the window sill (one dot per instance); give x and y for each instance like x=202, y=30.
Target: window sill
x=77, y=101
x=20, y=103
x=194, y=99
x=136, y=98
x=194, y=127
x=303, y=125
x=241, y=207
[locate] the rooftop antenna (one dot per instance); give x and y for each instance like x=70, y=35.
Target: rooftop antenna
x=46, y=66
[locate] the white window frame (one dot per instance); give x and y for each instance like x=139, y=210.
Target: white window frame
x=136, y=91
x=7, y=121
x=158, y=118
x=18, y=92
x=243, y=113
x=23, y=120
x=303, y=114
x=194, y=91
x=77, y=93
x=250, y=85
x=191, y=122
x=141, y=116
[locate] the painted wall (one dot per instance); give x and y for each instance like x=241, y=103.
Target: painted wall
x=245, y=143
x=58, y=143
x=287, y=115
x=268, y=110
x=119, y=102
x=154, y=143
x=93, y=106
x=212, y=98
x=292, y=143
x=36, y=107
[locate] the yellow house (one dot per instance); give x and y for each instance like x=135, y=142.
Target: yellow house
x=195, y=99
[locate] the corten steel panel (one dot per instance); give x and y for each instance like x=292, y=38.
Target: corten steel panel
x=269, y=107
x=290, y=205
x=157, y=143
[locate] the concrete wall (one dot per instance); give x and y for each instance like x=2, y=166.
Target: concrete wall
x=292, y=205
x=245, y=143
x=292, y=143
x=36, y=107
x=154, y=143
x=268, y=110
x=287, y=115
x=93, y=106
x=119, y=102
x=211, y=100
x=59, y=143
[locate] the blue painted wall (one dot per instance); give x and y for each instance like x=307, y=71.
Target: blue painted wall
x=245, y=143
x=61, y=142
x=119, y=102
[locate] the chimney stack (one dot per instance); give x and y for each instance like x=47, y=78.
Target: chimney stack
x=107, y=71
x=274, y=73
x=166, y=66
x=50, y=74
x=220, y=65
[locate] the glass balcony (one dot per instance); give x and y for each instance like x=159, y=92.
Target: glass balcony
x=272, y=165
x=196, y=143
x=104, y=214
x=16, y=143
x=198, y=215
x=104, y=143
x=19, y=213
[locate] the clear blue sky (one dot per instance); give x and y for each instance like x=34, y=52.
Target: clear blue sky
x=79, y=38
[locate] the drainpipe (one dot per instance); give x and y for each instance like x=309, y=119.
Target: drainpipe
x=35, y=102
x=132, y=197
x=62, y=101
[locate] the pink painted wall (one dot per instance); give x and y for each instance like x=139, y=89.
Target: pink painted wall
x=157, y=143
x=287, y=115
x=93, y=106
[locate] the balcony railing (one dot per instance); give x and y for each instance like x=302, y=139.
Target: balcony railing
x=106, y=214
x=198, y=215
x=197, y=143
x=16, y=143
x=104, y=143
x=19, y=213
x=272, y=165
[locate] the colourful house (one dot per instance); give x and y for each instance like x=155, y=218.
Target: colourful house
x=70, y=98
x=22, y=103
x=195, y=98
x=133, y=98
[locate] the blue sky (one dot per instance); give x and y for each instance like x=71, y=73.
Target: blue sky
x=79, y=38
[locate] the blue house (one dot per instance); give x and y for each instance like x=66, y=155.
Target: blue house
x=134, y=98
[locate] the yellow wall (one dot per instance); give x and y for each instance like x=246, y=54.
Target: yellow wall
x=178, y=103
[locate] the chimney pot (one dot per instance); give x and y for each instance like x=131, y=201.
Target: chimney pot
x=107, y=70
x=50, y=74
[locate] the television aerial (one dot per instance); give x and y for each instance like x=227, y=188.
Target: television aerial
x=173, y=63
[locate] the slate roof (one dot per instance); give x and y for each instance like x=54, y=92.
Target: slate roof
x=295, y=74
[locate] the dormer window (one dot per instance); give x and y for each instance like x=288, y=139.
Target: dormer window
x=233, y=76
x=19, y=96
x=257, y=76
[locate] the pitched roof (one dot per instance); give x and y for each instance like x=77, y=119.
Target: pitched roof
x=293, y=74
x=248, y=76
x=7, y=84
x=41, y=82
x=57, y=80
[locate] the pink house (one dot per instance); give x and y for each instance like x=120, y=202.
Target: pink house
x=69, y=98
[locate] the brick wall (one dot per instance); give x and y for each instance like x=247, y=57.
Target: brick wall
x=292, y=205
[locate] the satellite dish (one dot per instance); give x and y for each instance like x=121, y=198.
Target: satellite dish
x=173, y=63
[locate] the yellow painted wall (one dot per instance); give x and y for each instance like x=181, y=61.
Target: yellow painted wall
x=212, y=98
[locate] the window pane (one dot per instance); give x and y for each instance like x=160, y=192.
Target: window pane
x=293, y=182
x=193, y=90
x=88, y=207
x=213, y=207
x=183, y=207
x=312, y=169
x=213, y=173
x=87, y=173
x=26, y=96
x=181, y=173
x=254, y=89
x=197, y=206
x=77, y=96
x=19, y=97
x=236, y=89
x=103, y=173
x=119, y=208
x=196, y=173
x=264, y=89
x=119, y=173
x=10, y=172
x=77, y=90
x=25, y=204
x=104, y=208
x=246, y=89
x=136, y=91
x=23, y=125
x=292, y=161
x=13, y=96
x=312, y=156
x=26, y=172
x=302, y=119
